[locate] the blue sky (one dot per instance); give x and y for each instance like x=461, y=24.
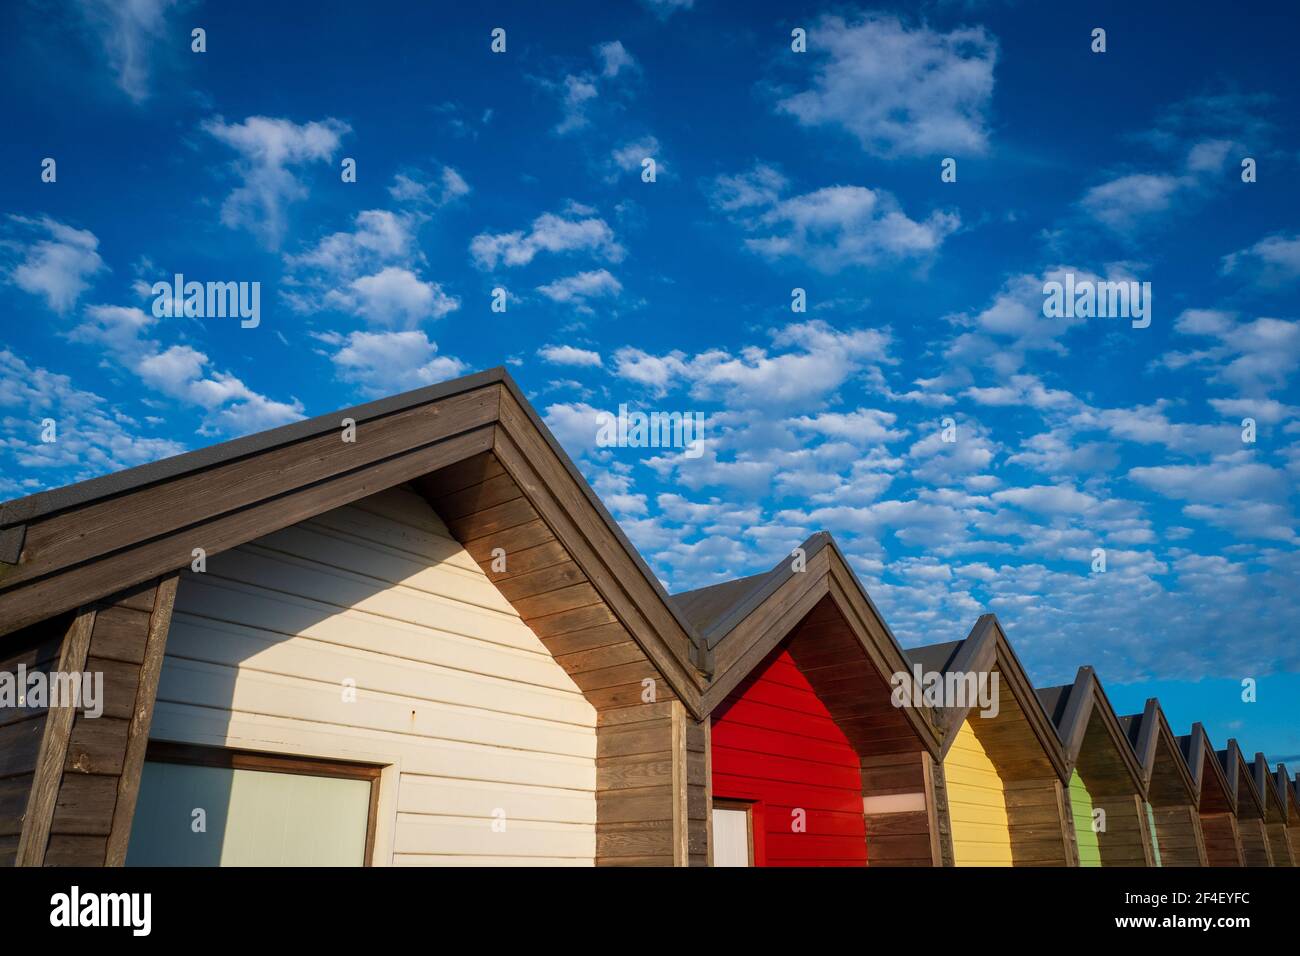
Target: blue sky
x=775, y=170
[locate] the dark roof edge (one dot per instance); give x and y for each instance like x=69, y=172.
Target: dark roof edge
x=21, y=510
x=782, y=572
x=704, y=661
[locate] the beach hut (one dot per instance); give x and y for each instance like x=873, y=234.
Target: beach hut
x=1290, y=792
x=812, y=760
x=409, y=624
x=1171, y=804
x=1106, y=786
x=1004, y=770
x=1215, y=802
x=1275, y=813
x=1248, y=805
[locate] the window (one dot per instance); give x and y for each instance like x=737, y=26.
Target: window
x=733, y=833
x=204, y=806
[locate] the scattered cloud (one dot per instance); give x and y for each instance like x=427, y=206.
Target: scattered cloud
x=57, y=266
x=128, y=30
x=382, y=363
x=269, y=152
x=549, y=232
x=899, y=91
x=832, y=228
x=568, y=355
x=580, y=289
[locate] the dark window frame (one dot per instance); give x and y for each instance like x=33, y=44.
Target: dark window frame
x=200, y=755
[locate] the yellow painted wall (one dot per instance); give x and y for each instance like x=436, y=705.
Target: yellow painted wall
x=976, y=804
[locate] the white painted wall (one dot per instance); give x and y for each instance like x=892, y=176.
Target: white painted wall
x=453, y=690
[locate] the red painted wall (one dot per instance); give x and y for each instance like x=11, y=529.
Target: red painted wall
x=775, y=743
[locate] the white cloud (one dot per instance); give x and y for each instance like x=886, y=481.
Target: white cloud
x=1227, y=479
x=1048, y=499
x=182, y=372
x=760, y=187
x=128, y=30
x=578, y=93
x=568, y=355
x=371, y=272
x=447, y=187
x=574, y=424
x=1133, y=200
x=93, y=437
x=830, y=228
x=899, y=91
x=269, y=149
x=818, y=359
x=1273, y=261
x=378, y=237
x=581, y=288
x=1255, y=358
x=628, y=157
x=1123, y=202
x=394, y=297
x=58, y=266
x=614, y=59
x=382, y=363
x=864, y=427
x=548, y=233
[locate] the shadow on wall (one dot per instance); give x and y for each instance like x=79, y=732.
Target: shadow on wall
x=290, y=585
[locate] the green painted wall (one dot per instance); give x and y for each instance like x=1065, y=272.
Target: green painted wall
x=1155, y=841
x=1081, y=807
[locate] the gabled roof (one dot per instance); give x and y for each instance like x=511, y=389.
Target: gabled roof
x=741, y=622
x=71, y=546
x=987, y=648
x=1212, y=787
x=1266, y=786
x=1072, y=707
x=1289, y=791
x=1241, y=782
x=1149, y=732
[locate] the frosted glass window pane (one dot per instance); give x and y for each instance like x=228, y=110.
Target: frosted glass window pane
x=253, y=818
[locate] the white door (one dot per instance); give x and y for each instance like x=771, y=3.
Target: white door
x=730, y=837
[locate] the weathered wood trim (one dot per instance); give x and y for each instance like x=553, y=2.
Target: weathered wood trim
x=681, y=824
x=88, y=531
x=128, y=788
x=595, y=551
x=130, y=566
x=936, y=798
x=1069, y=838
x=54, y=748
x=707, y=725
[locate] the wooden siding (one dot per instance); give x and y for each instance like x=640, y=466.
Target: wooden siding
x=651, y=785
x=776, y=744
x=1179, y=835
x=1125, y=839
x=1038, y=822
x=493, y=743
x=1254, y=841
x=977, y=804
x=1279, y=843
x=1222, y=839
x=913, y=836
x=22, y=729
x=101, y=768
